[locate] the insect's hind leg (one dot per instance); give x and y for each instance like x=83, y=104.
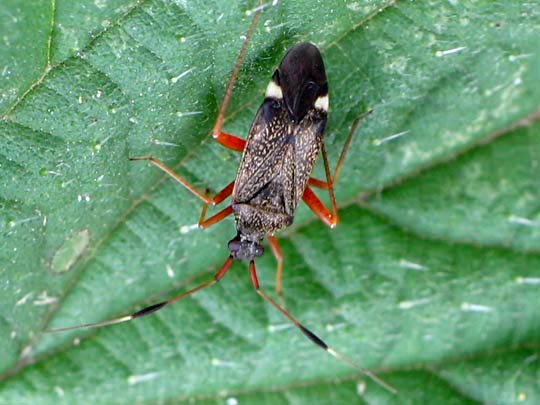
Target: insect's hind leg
x=276, y=250
x=225, y=139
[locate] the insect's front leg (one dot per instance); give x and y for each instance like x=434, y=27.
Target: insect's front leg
x=229, y=141
x=225, y=139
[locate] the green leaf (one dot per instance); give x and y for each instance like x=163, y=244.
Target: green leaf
x=431, y=279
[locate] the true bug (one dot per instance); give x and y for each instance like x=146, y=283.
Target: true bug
x=274, y=174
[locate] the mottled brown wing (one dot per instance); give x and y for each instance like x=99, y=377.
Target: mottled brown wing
x=308, y=141
x=278, y=158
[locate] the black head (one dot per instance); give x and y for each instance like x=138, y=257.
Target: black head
x=302, y=80
x=244, y=250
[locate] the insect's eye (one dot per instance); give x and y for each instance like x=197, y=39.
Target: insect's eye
x=310, y=90
x=259, y=250
x=234, y=245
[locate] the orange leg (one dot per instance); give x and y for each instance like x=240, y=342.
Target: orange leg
x=229, y=141
x=152, y=308
x=313, y=202
x=318, y=183
x=223, y=138
x=316, y=205
x=176, y=177
x=219, y=197
x=276, y=250
x=214, y=219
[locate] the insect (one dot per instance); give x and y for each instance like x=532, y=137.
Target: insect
x=279, y=154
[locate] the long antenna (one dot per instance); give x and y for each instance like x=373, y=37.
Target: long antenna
x=217, y=277
x=312, y=336
x=152, y=308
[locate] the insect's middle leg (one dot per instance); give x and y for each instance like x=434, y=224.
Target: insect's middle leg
x=159, y=164
x=207, y=200
x=313, y=202
x=229, y=141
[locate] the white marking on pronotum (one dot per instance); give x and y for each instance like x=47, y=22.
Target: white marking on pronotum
x=528, y=280
x=450, y=51
x=378, y=142
x=273, y=91
x=465, y=306
x=412, y=265
x=414, y=303
x=24, y=299
x=183, y=74
x=137, y=379
x=322, y=103
x=523, y=221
